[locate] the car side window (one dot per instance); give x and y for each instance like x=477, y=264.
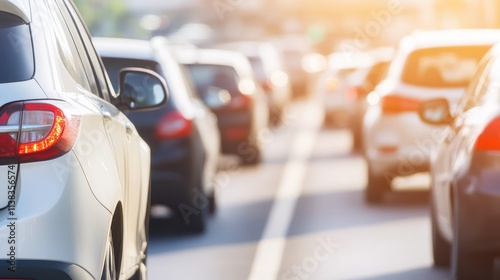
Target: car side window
x=100, y=74
x=66, y=47
x=492, y=85
x=477, y=87
x=66, y=17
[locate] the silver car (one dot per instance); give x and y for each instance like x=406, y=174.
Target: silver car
x=74, y=190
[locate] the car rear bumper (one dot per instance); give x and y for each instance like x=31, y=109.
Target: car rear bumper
x=57, y=221
x=404, y=161
x=399, y=144
x=172, y=170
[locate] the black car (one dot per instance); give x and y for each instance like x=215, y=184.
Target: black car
x=465, y=175
x=225, y=81
x=183, y=136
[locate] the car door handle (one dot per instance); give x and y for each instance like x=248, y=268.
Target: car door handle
x=106, y=115
x=129, y=128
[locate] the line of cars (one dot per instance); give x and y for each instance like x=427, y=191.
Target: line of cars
x=436, y=109
x=95, y=133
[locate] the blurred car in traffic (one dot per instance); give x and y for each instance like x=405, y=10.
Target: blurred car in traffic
x=295, y=49
x=344, y=86
x=427, y=65
x=75, y=197
x=270, y=72
x=225, y=81
x=183, y=135
x=465, y=174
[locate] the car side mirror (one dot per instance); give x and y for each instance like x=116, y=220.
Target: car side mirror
x=216, y=98
x=141, y=89
x=435, y=112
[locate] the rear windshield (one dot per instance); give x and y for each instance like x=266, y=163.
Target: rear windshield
x=16, y=49
x=443, y=67
x=204, y=76
x=259, y=69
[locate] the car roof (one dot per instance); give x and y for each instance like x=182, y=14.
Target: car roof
x=208, y=56
x=20, y=8
x=119, y=48
x=230, y=58
x=249, y=48
x=449, y=38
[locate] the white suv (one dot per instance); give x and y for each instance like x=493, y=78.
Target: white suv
x=74, y=173
x=427, y=65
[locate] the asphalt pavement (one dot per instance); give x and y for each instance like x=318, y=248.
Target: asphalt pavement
x=301, y=215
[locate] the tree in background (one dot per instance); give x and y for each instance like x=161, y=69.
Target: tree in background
x=109, y=18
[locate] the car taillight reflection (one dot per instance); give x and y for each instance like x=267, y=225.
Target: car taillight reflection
x=396, y=104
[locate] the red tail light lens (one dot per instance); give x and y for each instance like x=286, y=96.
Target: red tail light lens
x=331, y=84
x=267, y=86
x=236, y=133
x=36, y=131
x=395, y=104
x=353, y=93
x=173, y=125
x=240, y=101
x=489, y=140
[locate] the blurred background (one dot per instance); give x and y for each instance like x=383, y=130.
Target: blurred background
x=323, y=23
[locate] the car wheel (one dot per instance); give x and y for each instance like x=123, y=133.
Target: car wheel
x=275, y=116
x=253, y=159
x=357, y=140
x=467, y=265
x=376, y=188
x=109, y=267
x=195, y=222
x=441, y=249
x=212, y=203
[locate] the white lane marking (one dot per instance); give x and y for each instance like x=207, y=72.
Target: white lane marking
x=269, y=253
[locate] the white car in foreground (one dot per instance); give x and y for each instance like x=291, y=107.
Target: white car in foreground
x=428, y=65
x=74, y=173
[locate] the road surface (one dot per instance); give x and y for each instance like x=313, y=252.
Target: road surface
x=301, y=215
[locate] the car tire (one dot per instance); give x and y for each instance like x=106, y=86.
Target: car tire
x=357, y=141
x=467, y=265
x=275, y=117
x=376, y=188
x=109, y=271
x=195, y=223
x=253, y=159
x=212, y=203
x=441, y=248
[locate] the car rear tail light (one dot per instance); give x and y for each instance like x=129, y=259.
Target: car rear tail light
x=489, y=140
x=246, y=87
x=267, y=86
x=331, y=84
x=236, y=133
x=395, y=104
x=240, y=102
x=353, y=93
x=278, y=79
x=35, y=131
x=173, y=125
